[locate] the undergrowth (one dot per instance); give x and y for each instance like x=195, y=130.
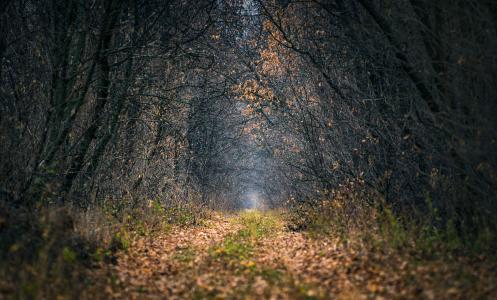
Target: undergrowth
x=365, y=218
x=424, y=255
x=48, y=251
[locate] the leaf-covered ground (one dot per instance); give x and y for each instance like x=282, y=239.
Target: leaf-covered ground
x=252, y=255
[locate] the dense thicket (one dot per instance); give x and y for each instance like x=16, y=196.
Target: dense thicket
x=392, y=96
x=213, y=101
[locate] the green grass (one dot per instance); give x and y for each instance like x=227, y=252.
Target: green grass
x=237, y=251
x=255, y=226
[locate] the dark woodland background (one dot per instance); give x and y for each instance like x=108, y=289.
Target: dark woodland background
x=107, y=106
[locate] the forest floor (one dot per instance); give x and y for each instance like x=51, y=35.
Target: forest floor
x=253, y=255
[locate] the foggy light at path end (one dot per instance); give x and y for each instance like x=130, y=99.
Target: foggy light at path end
x=252, y=200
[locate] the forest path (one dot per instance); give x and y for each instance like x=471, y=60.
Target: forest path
x=253, y=255
x=248, y=255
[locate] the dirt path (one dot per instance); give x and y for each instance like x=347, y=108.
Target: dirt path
x=230, y=256
x=251, y=255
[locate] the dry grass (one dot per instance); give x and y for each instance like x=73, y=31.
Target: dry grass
x=53, y=251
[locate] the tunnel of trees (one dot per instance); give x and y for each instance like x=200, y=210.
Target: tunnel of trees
x=255, y=103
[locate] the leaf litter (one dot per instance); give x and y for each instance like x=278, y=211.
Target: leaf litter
x=227, y=259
